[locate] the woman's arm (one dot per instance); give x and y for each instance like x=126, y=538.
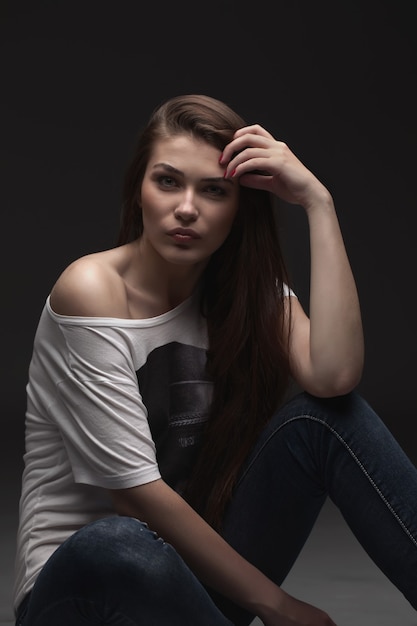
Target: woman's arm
x=211, y=558
x=326, y=348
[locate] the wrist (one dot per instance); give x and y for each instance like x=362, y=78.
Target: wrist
x=320, y=200
x=269, y=607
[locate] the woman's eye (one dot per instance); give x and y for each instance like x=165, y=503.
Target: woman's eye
x=166, y=181
x=215, y=190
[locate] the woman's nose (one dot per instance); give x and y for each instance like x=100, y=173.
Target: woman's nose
x=186, y=208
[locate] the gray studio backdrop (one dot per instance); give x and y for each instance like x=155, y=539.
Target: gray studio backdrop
x=336, y=81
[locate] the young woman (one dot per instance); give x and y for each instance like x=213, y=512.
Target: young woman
x=170, y=476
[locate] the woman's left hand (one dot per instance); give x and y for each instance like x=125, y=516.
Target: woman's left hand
x=262, y=162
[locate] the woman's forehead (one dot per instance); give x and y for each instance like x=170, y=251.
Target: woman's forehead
x=184, y=151
x=182, y=142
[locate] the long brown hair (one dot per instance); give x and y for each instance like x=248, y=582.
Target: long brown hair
x=242, y=299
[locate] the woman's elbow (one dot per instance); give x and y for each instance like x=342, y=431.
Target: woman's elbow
x=336, y=383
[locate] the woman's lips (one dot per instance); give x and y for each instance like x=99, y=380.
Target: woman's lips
x=183, y=235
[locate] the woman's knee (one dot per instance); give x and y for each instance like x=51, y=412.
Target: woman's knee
x=115, y=562
x=122, y=546
x=115, y=551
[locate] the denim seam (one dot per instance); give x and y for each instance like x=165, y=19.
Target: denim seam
x=354, y=457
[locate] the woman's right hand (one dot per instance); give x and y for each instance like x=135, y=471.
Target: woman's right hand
x=293, y=612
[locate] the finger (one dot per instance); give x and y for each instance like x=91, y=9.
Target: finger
x=246, y=134
x=256, y=180
x=233, y=149
x=254, y=129
x=249, y=161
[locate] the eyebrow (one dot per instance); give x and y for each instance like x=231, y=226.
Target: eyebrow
x=208, y=179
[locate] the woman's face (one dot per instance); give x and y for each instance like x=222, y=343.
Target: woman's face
x=187, y=206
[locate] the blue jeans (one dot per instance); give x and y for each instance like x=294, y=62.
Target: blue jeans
x=116, y=571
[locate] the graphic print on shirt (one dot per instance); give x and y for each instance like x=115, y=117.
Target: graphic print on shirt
x=176, y=391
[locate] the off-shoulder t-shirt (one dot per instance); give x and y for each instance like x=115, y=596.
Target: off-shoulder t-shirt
x=111, y=403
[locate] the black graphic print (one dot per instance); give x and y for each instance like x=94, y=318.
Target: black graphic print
x=176, y=392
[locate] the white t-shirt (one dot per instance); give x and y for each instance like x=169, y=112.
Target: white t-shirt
x=111, y=404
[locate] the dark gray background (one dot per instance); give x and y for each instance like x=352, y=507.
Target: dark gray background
x=335, y=80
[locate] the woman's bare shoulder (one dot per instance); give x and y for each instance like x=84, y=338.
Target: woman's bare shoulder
x=91, y=286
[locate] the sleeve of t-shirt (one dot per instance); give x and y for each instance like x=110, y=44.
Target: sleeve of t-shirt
x=288, y=291
x=101, y=416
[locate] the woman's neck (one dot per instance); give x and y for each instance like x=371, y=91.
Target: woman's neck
x=163, y=284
